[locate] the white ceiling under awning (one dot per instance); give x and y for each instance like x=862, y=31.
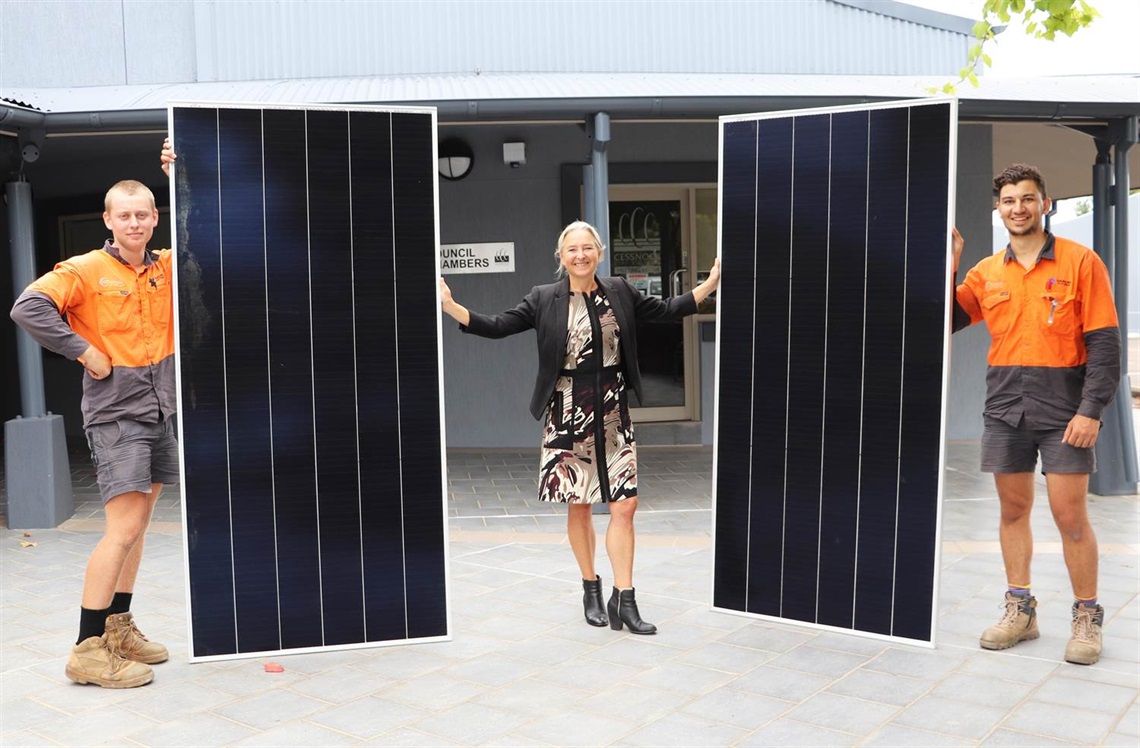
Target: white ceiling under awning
x=1065, y=156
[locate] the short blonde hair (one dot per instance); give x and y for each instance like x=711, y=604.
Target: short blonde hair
x=128, y=187
x=574, y=226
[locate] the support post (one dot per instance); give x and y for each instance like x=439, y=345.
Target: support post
x=35, y=447
x=599, y=160
x=1116, y=446
x=22, y=243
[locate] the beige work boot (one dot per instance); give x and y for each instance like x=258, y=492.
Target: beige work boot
x=1084, y=647
x=126, y=639
x=94, y=661
x=1017, y=624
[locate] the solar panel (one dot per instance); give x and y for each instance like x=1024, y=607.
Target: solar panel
x=310, y=398
x=832, y=344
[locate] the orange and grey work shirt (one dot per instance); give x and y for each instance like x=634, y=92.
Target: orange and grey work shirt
x=1056, y=340
x=126, y=313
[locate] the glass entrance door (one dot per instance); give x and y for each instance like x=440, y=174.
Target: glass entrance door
x=649, y=246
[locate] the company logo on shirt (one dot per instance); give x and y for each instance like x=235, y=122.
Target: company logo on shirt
x=112, y=283
x=994, y=285
x=1049, y=284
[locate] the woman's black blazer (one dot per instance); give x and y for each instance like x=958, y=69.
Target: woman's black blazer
x=547, y=308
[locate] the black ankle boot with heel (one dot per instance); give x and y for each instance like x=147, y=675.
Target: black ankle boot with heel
x=592, y=602
x=623, y=609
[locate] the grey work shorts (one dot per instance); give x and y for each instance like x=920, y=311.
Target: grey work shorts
x=1014, y=449
x=131, y=455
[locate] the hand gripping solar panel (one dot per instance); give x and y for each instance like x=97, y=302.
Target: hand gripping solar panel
x=309, y=377
x=833, y=329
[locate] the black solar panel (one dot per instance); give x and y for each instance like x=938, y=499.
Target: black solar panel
x=833, y=345
x=309, y=377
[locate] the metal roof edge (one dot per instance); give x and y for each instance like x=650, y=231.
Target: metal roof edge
x=914, y=14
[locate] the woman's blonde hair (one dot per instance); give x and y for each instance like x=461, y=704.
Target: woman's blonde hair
x=574, y=226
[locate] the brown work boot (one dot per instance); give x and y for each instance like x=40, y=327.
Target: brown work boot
x=1017, y=624
x=1084, y=647
x=126, y=639
x=94, y=661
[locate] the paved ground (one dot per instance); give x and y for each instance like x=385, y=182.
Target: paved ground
x=524, y=669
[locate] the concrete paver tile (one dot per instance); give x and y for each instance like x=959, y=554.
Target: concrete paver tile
x=367, y=717
x=440, y=690
x=1083, y=694
x=545, y=650
x=21, y=713
x=1015, y=738
x=268, y=709
x=766, y=637
x=819, y=661
x=931, y=664
x=790, y=732
x=533, y=697
x=576, y=727
x=907, y=737
x=303, y=734
x=1063, y=722
x=192, y=729
x=682, y=678
x=493, y=670
x=726, y=657
x=684, y=729
x=1010, y=665
x=587, y=674
x=109, y=723
x=780, y=683
x=470, y=724
x=981, y=689
x=843, y=713
x=641, y=705
x=870, y=685
x=27, y=738
x=1129, y=724
x=952, y=717
x=737, y=708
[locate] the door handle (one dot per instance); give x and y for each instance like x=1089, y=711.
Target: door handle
x=675, y=281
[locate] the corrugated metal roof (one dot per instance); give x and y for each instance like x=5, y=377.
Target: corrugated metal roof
x=113, y=43
x=436, y=89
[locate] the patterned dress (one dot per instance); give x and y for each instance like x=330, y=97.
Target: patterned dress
x=589, y=407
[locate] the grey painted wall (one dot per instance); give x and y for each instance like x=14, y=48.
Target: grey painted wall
x=974, y=199
x=488, y=383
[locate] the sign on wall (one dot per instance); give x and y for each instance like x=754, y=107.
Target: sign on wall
x=490, y=257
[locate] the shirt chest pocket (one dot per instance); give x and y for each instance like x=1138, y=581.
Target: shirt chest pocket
x=160, y=301
x=1060, y=315
x=116, y=311
x=996, y=311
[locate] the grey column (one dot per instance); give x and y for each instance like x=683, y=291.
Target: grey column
x=23, y=252
x=599, y=160
x=35, y=449
x=1116, y=446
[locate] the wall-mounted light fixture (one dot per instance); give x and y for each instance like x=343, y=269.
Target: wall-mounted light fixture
x=514, y=154
x=455, y=159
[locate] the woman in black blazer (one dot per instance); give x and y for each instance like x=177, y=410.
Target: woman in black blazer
x=587, y=358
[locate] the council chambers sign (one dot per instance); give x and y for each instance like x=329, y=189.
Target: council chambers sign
x=493, y=257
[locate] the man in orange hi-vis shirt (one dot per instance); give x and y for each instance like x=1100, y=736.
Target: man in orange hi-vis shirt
x=119, y=325
x=1054, y=365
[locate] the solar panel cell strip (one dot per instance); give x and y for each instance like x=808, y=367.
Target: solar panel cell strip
x=823, y=406
x=399, y=420
x=269, y=380
x=862, y=367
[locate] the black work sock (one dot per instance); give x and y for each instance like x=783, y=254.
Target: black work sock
x=120, y=603
x=92, y=623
